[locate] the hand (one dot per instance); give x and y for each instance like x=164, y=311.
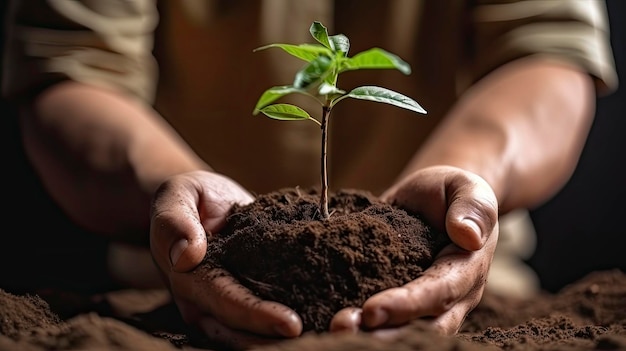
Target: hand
x=185, y=208
x=462, y=204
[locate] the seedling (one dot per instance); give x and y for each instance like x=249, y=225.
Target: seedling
x=318, y=79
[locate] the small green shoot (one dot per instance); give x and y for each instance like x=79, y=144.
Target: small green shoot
x=318, y=79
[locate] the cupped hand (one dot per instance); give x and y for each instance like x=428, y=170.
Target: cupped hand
x=465, y=206
x=185, y=209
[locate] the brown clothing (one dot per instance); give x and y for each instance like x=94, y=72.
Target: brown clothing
x=209, y=79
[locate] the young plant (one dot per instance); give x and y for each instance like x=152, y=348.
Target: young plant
x=318, y=79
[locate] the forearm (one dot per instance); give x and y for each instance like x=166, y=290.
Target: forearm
x=101, y=155
x=522, y=129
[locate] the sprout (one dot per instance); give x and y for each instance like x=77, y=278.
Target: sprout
x=318, y=80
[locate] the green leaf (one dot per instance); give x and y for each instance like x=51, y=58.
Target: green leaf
x=274, y=93
x=378, y=94
x=306, y=52
x=320, y=33
x=313, y=72
x=340, y=43
x=376, y=58
x=286, y=112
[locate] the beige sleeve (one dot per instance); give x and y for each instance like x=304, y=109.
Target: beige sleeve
x=102, y=42
x=576, y=31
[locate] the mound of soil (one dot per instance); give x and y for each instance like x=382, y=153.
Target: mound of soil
x=280, y=248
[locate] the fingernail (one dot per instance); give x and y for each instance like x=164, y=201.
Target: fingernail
x=471, y=224
x=177, y=250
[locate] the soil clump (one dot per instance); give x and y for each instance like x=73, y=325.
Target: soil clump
x=281, y=249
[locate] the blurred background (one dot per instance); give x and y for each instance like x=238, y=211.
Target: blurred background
x=586, y=219
x=579, y=231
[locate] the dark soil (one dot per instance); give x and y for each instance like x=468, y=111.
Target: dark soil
x=280, y=248
x=587, y=315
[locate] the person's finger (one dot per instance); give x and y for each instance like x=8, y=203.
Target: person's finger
x=472, y=211
x=177, y=238
x=185, y=210
x=218, y=294
x=455, y=275
x=430, y=295
x=457, y=201
x=451, y=321
x=346, y=320
x=423, y=192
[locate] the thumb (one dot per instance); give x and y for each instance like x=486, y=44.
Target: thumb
x=177, y=238
x=472, y=215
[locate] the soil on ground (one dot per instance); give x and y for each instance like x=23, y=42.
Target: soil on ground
x=587, y=315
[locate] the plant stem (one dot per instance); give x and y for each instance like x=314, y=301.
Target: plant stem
x=324, y=171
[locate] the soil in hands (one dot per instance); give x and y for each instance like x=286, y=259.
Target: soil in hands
x=281, y=249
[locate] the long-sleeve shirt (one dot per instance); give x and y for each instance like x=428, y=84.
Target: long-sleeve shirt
x=194, y=62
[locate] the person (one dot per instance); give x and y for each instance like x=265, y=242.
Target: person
x=509, y=87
